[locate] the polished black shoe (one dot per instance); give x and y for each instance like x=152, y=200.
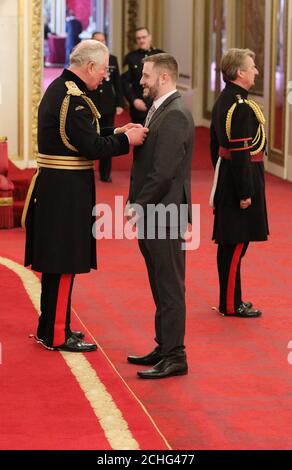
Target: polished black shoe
x=165, y=368
x=244, y=312
x=247, y=304
x=74, y=344
x=77, y=334
x=149, y=360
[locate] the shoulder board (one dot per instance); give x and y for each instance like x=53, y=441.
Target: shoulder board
x=240, y=100
x=72, y=89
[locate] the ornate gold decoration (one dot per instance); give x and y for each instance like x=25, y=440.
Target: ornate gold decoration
x=36, y=49
x=261, y=134
x=132, y=12
x=6, y=201
x=279, y=27
x=73, y=90
x=250, y=27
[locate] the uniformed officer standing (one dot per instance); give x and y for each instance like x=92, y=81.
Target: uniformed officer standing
x=133, y=65
x=59, y=239
x=109, y=101
x=237, y=150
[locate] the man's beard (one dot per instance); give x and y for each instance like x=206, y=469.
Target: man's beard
x=152, y=92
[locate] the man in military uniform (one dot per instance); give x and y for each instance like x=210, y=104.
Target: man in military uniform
x=238, y=194
x=109, y=101
x=58, y=211
x=133, y=65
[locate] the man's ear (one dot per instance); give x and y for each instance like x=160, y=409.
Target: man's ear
x=90, y=66
x=240, y=73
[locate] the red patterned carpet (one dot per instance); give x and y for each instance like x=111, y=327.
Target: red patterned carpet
x=237, y=394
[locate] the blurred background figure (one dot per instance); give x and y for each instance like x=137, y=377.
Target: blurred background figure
x=47, y=30
x=109, y=100
x=131, y=77
x=73, y=29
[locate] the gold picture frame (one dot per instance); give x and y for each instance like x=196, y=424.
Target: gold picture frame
x=277, y=155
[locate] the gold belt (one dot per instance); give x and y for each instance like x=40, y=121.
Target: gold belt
x=56, y=162
x=64, y=163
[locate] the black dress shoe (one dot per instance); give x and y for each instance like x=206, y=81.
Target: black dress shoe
x=149, y=360
x=77, y=334
x=247, y=304
x=74, y=344
x=165, y=368
x=244, y=312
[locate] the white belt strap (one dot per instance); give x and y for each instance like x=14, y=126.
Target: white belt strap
x=215, y=182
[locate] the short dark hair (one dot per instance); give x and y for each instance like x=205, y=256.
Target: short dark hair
x=164, y=61
x=141, y=28
x=98, y=32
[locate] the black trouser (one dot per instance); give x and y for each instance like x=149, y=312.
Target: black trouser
x=165, y=261
x=105, y=165
x=54, y=321
x=229, y=263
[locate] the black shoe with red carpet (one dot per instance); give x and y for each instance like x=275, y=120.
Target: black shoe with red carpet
x=148, y=360
x=165, y=368
x=244, y=312
x=74, y=344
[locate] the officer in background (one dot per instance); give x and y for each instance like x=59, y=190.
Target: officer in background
x=109, y=100
x=59, y=207
x=238, y=193
x=131, y=77
x=73, y=29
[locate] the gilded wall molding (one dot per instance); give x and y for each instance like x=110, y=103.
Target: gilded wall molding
x=277, y=155
x=149, y=14
x=20, y=80
x=132, y=9
x=36, y=70
x=250, y=27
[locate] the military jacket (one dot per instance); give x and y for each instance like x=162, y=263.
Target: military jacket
x=237, y=133
x=133, y=72
x=59, y=224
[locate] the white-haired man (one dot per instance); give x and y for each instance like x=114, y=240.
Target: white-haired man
x=59, y=240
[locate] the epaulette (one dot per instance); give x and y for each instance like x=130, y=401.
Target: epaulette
x=72, y=89
x=239, y=98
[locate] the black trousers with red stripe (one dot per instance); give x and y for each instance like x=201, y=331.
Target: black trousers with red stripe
x=229, y=263
x=54, y=321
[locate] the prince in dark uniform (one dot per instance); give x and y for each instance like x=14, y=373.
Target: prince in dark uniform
x=58, y=212
x=133, y=65
x=238, y=194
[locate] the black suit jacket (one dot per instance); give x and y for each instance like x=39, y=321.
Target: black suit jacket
x=161, y=171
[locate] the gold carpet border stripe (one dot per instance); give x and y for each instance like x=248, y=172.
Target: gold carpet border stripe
x=6, y=201
x=125, y=383
x=108, y=414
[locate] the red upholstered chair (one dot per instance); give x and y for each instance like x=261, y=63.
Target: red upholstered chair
x=6, y=188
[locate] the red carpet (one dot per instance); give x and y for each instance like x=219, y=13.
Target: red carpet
x=42, y=405
x=238, y=391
